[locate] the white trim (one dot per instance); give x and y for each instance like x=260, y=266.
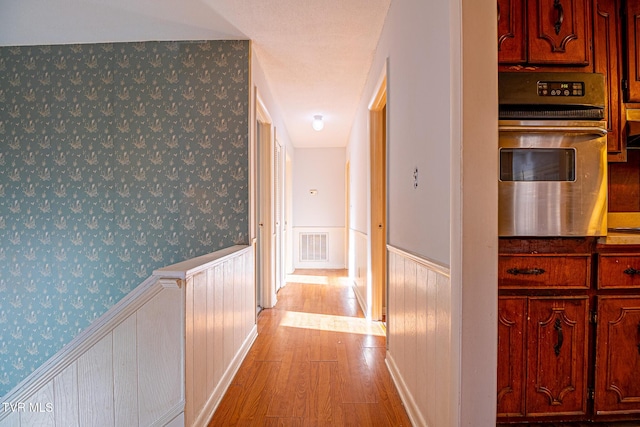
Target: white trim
x=170, y=283
x=171, y=414
x=428, y=263
x=381, y=88
x=182, y=270
x=227, y=378
x=353, y=268
x=405, y=395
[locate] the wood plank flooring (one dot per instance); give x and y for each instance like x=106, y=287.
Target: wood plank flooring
x=574, y=424
x=316, y=362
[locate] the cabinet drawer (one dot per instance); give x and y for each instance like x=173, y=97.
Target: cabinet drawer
x=618, y=271
x=544, y=271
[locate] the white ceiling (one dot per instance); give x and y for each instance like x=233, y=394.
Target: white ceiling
x=316, y=54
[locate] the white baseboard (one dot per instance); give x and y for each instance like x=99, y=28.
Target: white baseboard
x=216, y=397
x=405, y=395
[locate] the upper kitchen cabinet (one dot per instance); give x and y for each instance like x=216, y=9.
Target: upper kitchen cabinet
x=512, y=46
x=632, y=12
x=551, y=33
x=607, y=43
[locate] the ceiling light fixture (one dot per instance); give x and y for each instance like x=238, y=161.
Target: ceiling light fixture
x=317, y=124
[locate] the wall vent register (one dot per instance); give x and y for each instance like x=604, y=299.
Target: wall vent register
x=314, y=247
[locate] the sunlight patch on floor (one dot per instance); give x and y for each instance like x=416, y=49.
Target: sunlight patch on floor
x=307, y=279
x=327, y=322
x=313, y=279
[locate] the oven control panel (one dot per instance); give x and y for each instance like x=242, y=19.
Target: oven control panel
x=551, y=88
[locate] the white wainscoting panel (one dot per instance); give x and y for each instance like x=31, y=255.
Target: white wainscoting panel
x=162, y=356
x=419, y=336
x=358, y=271
x=220, y=327
x=131, y=354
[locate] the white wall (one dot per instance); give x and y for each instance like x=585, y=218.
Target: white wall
x=259, y=82
x=442, y=119
x=319, y=169
x=322, y=171
x=260, y=85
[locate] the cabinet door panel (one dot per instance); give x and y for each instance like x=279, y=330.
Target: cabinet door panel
x=633, y=47
x=559, y=32
x=511, y=351
x=618, y=356
x=512, y=47
x=607, y=44
x=556, y=354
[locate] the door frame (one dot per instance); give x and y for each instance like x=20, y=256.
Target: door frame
x=378, y=173
x=264, y=219
x=279, y=213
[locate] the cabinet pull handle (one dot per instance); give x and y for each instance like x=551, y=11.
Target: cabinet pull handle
x=557, y=6
x=526, y=271
x=558, y=327
x=631, y=271
x=498, y=12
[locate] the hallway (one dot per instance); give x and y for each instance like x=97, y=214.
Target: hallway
x=316, y=362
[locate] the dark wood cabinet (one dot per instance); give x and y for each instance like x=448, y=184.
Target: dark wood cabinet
x=632, y=14
x=512, y=42
x=617, y=376
x=559, y=31
x=618, y=271
x=557, y=356
x=511, y=356
x=544, y=32
x=542, y=362
x=543, y=328
x=607, y=45
x=551, y=271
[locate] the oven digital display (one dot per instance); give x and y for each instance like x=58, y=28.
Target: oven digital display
x=561, y=89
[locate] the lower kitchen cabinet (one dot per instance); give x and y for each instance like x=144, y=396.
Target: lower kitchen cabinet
x=512, y=312
x=542, y=362
x=556, y=356
x=617, y=375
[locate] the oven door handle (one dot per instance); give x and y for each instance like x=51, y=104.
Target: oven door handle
x=564, y=129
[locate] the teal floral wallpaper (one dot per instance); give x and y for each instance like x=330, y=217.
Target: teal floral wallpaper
x=115, y=159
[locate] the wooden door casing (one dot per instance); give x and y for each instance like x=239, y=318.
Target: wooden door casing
x=556, y=356
x=511, y=350
x=617, y=387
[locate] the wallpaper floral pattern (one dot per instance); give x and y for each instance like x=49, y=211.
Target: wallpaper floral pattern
x=115, y=159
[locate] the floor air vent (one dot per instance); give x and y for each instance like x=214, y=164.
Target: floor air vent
x=313, y=247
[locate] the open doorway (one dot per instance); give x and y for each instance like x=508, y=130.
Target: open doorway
x=378, y=231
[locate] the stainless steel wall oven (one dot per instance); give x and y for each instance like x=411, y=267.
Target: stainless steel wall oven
x=552, y=154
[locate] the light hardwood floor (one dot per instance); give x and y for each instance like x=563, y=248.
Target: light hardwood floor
x=316, y=362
